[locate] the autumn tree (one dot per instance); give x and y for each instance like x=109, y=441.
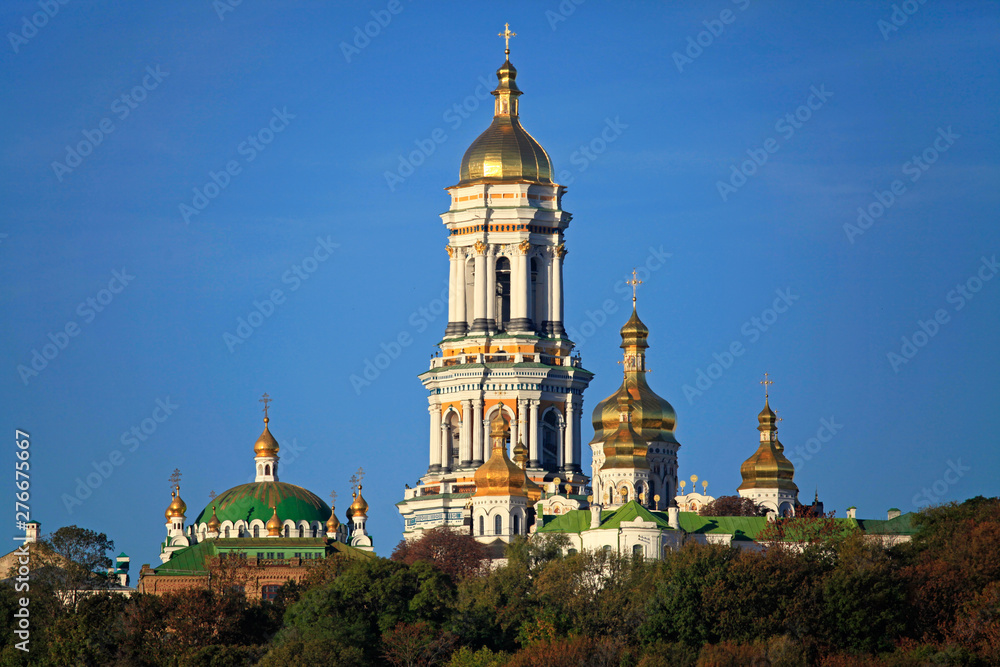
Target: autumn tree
x=454, y=553
x=733, y=506
x=76, y=560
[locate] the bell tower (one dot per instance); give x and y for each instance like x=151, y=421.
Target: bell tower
x=505, y=347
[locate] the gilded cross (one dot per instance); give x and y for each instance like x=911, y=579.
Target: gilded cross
x=506, y=34
x=766, y=382
x=265, y=399
x=635, y=282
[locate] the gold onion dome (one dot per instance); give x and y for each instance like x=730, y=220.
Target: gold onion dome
x=177, y=507
x=768, y=467
x=625, y=448
x=359, y=506
x=214, y=524
x=500, y=476
x=266, y=445
x=505, y=151
x=333, y=523
x=653, y=418
x=273, y=525
x=521, y=460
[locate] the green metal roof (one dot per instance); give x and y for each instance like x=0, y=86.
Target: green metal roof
x=901, y=525
x=631, y=511
x=194, y=560
x=254, y=500
x=576, y=521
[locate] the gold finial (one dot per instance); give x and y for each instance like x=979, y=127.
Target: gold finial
x=506, y=34
x=766, y=382
x=265, y=399
x=635, y=282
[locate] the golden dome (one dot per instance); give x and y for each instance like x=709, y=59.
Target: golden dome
x=266, y=444
x=273, y=525
x=500, y=476
x=177, y=507
x=333, y=523
x=214, y=524
x=505, y=151
x=359, y=506
x=653, y=418
x=625, y=448
x=521, y=459
x=768, y=467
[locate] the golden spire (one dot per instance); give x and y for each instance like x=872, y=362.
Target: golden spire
x=274, y=524
x=333, y=523
x=266, y=445
x=359, y=507
x=506, y=34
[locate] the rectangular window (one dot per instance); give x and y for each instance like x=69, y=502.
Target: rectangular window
x=260, y=555
x=297, y=554
x=281, y=555
x=270, y=555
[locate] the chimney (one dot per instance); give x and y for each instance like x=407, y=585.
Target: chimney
x=595, y=516
x=31, y=532
x=852, y=512
x=672, y=517
x=893, y=512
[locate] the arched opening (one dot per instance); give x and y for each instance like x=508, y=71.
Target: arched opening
x=624, y=492
x=497, y=525
x=225, y=531
x=452, y=435
x=517, y=525
x=637, y=550
x=482, y=526
x=260, y=469
x=550, y=440
x=503, y=293
x=533, y=292
x=256, y=531
x=470, y=290
x=267, y=469
x=286, y=532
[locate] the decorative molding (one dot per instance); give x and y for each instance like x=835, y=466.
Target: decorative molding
x=451, y=251
x=480, y=247
x=559, y=251
x=524, y=246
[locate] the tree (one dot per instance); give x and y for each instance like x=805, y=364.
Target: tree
x=454, y=553
x=733, y=506
x=81, y=561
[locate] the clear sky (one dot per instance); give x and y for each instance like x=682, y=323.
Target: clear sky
x=327, y=144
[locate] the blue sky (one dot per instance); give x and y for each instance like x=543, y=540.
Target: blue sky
x=866, y=92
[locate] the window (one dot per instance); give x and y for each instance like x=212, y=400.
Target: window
x=503, y=293
x=637, y=550
x=269, y=591
x=225, y=531
x=607, y=548
x=482, y=527
x=260, y=555
x=286, y=531
x=256, y=531
x=571, y=552
x=297, y=554
x=281, y=555
x=517, y=525
x=550, y=440
x=497, y=525
x=270, y=555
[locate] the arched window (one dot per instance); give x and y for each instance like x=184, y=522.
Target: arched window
x=503, y=293
x=571, y=552
x=550, y=440
x=517, y=524
x=607, y=548
x=286, y=531
x=497, y=525
x=452, y=433
x=533, y=294
x=225, y=531
x=624, y=495
x=267, y=469
x=256, y=531
x=482, y=526
x=637, y=550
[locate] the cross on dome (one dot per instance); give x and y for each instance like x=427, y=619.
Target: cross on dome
x=506, y=34
x=265, y=399
x=766, y=382
x=635, y=282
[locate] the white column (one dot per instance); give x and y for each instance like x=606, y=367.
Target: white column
x=557, y=295
x=533, y=433
x=453, y=284
x=435, y=459
x=491, y=288
x=477, y=433
x=445, y=446
x=571, y=425
x=479, y=288
x=460, y=310
x=465, y=447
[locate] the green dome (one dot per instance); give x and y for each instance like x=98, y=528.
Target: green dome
x=254, y=501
